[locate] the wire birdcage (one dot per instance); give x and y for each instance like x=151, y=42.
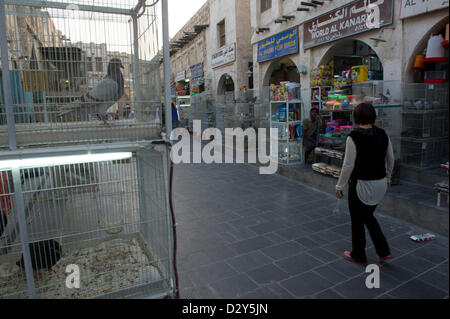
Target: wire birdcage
x=82, y=71
x=108, y=216
x=77, y=76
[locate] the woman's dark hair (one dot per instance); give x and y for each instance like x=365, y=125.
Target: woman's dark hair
x=364, y=114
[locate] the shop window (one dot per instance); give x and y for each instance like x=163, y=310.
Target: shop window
x=266, y=5
x=221, y=33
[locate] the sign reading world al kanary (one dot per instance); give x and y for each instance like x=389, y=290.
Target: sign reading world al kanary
x=411, y=8
x=281, y=44
x=353, y=18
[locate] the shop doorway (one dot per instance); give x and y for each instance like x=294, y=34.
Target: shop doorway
x=226, y=85
x=281, y=70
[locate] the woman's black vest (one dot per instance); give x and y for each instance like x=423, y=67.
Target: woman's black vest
x=371, y=148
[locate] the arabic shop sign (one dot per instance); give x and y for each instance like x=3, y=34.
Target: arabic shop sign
x=196, y=71
x=181, y=76
x=224, y=56
x=411, y=8
x=353, y=18
x=281, y=44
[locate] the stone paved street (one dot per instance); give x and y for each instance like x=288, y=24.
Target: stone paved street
x=246, y=236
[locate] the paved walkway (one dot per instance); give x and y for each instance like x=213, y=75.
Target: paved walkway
x=246, y=236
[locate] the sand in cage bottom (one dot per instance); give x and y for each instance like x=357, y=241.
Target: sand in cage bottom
x=109, y=267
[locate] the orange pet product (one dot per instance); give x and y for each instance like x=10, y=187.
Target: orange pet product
x=418, y=62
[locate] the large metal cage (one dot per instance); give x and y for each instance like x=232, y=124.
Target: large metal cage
x=107, y=213
x=80, y=71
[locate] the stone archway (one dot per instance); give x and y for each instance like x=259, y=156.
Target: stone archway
x=281, y=68
x=348, y=47
x=226, y=84
x=421, y=46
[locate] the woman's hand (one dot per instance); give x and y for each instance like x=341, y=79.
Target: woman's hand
x=339, y=194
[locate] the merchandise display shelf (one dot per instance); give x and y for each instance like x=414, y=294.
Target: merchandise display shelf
x=286, y=116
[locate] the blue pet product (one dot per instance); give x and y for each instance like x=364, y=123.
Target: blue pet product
x=281, y=115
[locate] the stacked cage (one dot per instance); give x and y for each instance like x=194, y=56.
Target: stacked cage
x=82, y=72
x=424, y=139
x=85, y=185
x=203, y=109
x=238, y=111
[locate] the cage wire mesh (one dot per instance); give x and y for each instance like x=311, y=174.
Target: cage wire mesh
x=203, y=108
x=109, y=218
x=83, y=71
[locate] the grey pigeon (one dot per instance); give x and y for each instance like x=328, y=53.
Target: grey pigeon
x=100, y=98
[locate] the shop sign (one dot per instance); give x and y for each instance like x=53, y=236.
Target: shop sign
x=224, y=56
x=411, y=8
x=353, y=18
x=181, y=76
x=279, y=45
x=196, y=71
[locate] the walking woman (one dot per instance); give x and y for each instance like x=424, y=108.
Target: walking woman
x=368, y=165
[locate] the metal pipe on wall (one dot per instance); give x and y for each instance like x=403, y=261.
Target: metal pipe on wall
x=166, y=51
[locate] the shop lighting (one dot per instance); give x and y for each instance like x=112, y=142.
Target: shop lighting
x=302, y=9
x=289, y=17
x=308, y=4
x=280, y=20
x=63, y=160
x=320, y=3
x=260, y=30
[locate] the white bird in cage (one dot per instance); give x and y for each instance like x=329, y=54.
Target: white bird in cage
x=98, y=100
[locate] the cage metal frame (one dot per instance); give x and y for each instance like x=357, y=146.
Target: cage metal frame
x=15, y=153
x=134, y=14
x=159, y=146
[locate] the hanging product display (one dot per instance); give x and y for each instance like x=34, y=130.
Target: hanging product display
x=419, y=62
x=435, y=50
x=286, y=91
x=360, y=73
x=321, y=76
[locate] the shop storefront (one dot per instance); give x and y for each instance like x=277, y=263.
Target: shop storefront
x=391, y=53
x=350, y=68
x=223, y=61
x=281, y=84
x=182, y=84
x=197, y=79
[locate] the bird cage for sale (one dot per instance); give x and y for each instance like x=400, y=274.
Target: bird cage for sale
x=78, y=224
x=80, y=71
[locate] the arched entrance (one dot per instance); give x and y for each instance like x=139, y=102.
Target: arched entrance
x=349, y=53
x=281, y=70
x=416, y=75
x=226, y=85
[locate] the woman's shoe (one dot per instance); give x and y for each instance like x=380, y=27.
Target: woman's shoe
x=348, y=256
x=383, y=259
